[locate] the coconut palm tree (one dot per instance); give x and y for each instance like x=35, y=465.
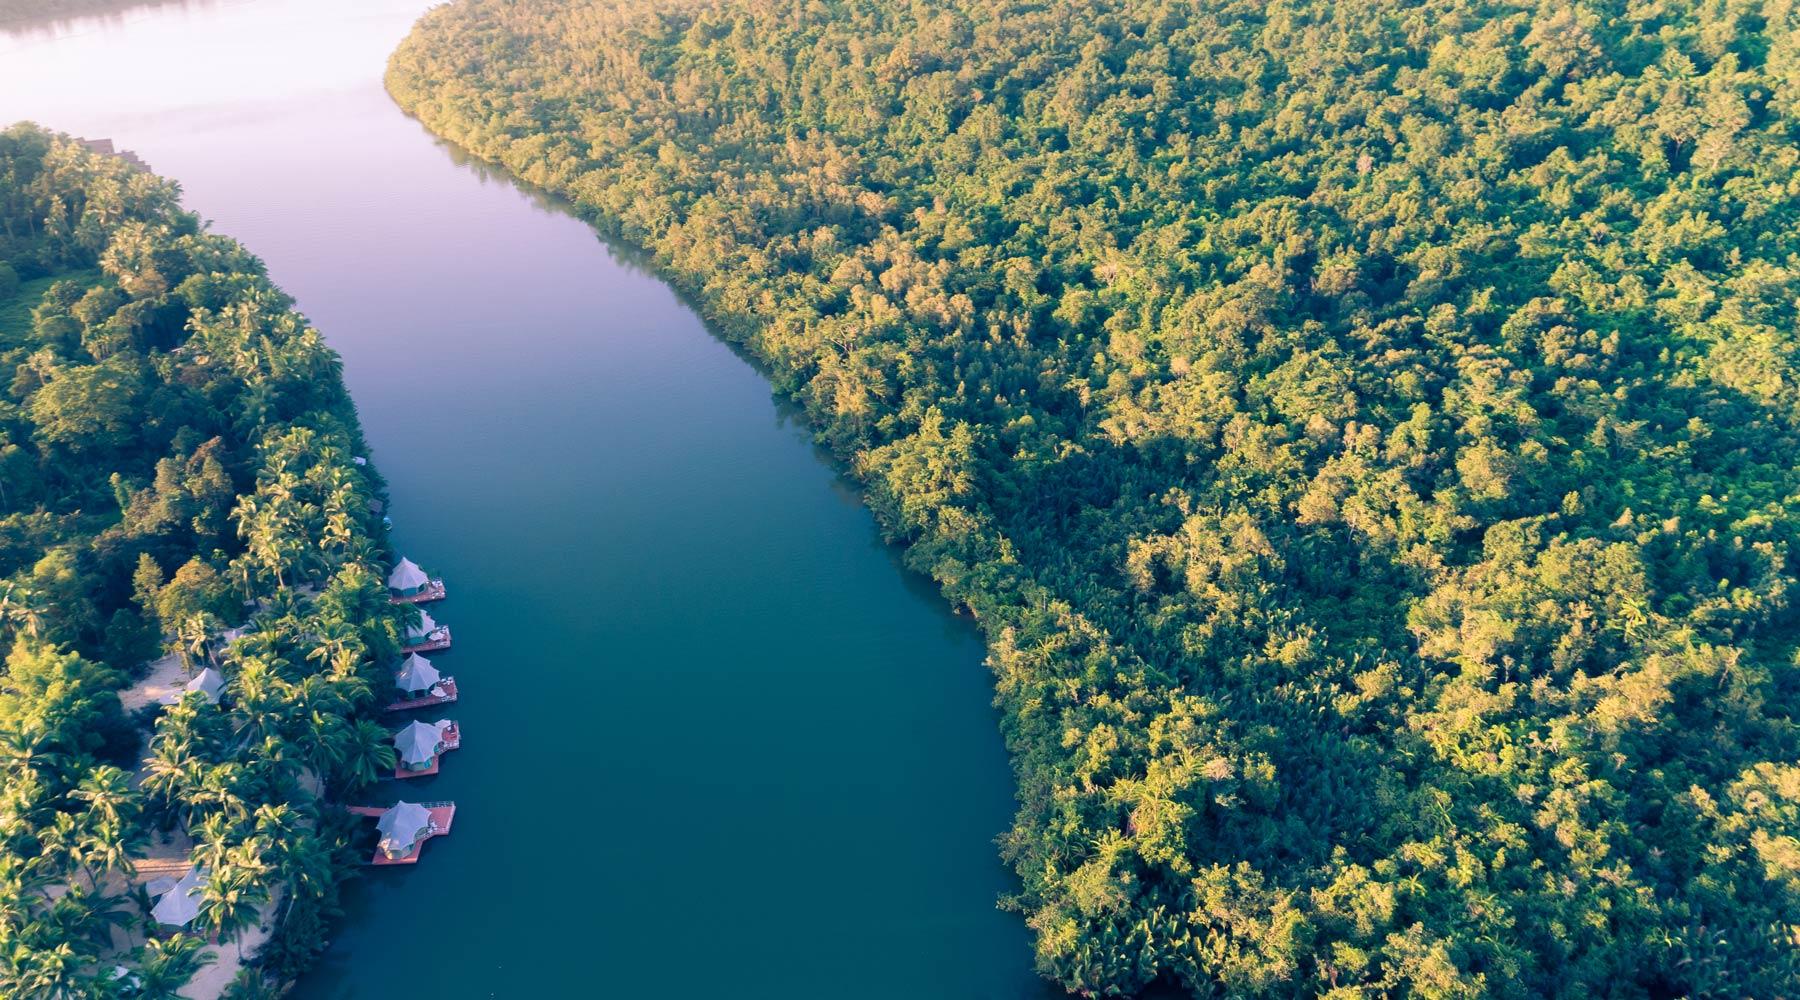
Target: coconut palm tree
x=235, y=893
x=332, y=640
x=317, y=693
x=193, y=635
x=21, y=610
x=53, y=973
x=323, y=742
x=296, y=855
x=110, y=847
x=110, y=821
x=368, y=754
x=107, y=791
x=212, y=840
x=166, y=965
x=171, y=769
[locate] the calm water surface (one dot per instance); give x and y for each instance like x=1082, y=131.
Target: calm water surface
x=717, y=743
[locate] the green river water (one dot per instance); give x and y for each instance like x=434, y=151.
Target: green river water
x=716, y=741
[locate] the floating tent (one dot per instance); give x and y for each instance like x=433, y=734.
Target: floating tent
x=402, y=827
x=418, y=744
x=181, y=903
x=407, y=577
x=423, y=630
x=416, y=674
x=209, y=683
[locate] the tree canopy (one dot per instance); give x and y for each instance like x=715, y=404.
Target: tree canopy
x=176, y=459
x=1366, y=431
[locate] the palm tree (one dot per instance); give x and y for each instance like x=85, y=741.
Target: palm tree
x=110, y=848
x=165, y=965
x=112, y=832
x=169, y=772
x=47, y=973
x=299, y=860
x=317, y=693
x=19, y=892
x=347, y=674
x=368, y=754
x=276, y=769
x=212, y=841
x=19, y=751
x=21, y=610
x=221, y=791
x=242, y=572
x=107, y=791
x=59, y=845
x=323, y=742
x=192, y=636
x=86, y=917
x=334, y=639
x=234, y=895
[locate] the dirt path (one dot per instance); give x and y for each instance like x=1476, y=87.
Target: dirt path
x=162, y=686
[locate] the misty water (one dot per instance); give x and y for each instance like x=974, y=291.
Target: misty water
x=716, y=741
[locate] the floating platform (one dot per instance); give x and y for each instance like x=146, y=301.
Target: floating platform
x=447, y=686
x=433, y=591
x=452, y=740
x=438, y=638
x=441, y=815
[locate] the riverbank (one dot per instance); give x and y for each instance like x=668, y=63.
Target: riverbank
x=674, y=623
x=171, y=378
x=1264, y=391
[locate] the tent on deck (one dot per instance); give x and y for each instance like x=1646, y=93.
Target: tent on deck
x=402, y=827
x=418, y=633
x=407, y=577
x=416, y=674
x=418, y=744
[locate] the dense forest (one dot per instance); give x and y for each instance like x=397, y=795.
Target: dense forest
x=178, y=476
x=19, y=13
x=1366, y=432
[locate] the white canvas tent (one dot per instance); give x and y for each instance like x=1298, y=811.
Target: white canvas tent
x=418, y=743
x=407, y=577
x=208, y=682
x=416, y=674
x=425, y=627
x=181, y=904
x=401, y=827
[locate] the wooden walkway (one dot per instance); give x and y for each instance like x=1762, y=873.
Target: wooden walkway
x=433, y=591
x=442, y=813
x=447, y=685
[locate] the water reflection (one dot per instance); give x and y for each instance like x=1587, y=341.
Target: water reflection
x=96, y=16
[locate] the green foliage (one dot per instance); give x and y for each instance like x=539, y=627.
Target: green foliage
x=177, y=451
x=1366, y=431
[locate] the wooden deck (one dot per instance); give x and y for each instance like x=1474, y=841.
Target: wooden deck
x=442, y=813
x=452, y=740
x=448, y=685
x=433, y=591
x=439, y=638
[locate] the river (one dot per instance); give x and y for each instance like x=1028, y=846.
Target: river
x=716, y=741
